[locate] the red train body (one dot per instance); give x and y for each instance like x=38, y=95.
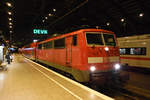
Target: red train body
x=87, y=54
x=29, y=51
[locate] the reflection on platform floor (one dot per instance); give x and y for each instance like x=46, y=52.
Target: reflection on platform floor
x=25, y=80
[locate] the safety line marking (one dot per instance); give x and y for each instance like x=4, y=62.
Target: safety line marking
x=57, y=83
x=76, y=83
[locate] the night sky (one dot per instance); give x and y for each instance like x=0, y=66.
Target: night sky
x=61, y=16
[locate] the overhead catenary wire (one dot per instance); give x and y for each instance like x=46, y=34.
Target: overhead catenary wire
x=80, y=5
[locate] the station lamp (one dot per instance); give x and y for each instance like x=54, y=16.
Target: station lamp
x=10, y=19
x=46, y=17
x=10, y=23
x=9, y=13
x=107, y=23
x=8, y=4
x=35, y=40
x=141, y=15
x=49, y=14
x=54, y=10
x=122, y=20
x=10, y=26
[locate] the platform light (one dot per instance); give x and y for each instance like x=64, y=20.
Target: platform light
x=10, y=23
x=35, y=40
x=49, y=14
x=8, y=4
x=107, y=23
x=141, y=15
x=54, y=9
x=122, y=20
x=9, y=13
x=43, y=21
x=92, y=68
x=46, y=17
x=10, y=26
x=9, y=19
x=10, y=31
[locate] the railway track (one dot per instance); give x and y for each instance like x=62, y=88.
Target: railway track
x=131, y=95
x=125, y=93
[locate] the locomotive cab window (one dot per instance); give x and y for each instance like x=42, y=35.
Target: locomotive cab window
x=94, y=39
x=109, y=40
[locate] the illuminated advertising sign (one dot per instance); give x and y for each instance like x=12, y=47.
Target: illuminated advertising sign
x=39, y=31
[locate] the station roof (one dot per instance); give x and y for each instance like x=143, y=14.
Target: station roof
x=124, y=17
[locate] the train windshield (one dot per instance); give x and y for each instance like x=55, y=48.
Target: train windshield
x=94, y=39
x=109, y=39
x=97, y=39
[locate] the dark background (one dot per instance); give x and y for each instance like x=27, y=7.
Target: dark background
x=71, y=15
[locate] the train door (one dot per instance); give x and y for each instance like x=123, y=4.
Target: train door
x=68, y=50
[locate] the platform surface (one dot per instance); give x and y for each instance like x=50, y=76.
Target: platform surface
x=26, y=80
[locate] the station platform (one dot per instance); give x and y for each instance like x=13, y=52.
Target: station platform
x=27, y=80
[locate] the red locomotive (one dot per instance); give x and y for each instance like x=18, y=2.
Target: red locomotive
x=86, y=54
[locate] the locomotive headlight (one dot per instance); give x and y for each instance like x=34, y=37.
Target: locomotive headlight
x=117, y=66
x=92, y=68
x=106, y=49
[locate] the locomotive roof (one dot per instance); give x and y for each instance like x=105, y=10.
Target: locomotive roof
x=77, y=32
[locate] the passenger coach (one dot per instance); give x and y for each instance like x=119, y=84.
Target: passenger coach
x=135, y=50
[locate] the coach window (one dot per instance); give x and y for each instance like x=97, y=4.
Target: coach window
x=143, y=51
x=44, y=46
x=40, y=46
x=127, y=51
x=138, y=51
x=74, y=40
x=60, y=43
x=122, y=51
x=49, y=44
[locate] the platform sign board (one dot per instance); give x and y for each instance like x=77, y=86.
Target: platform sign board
x=40, y=31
